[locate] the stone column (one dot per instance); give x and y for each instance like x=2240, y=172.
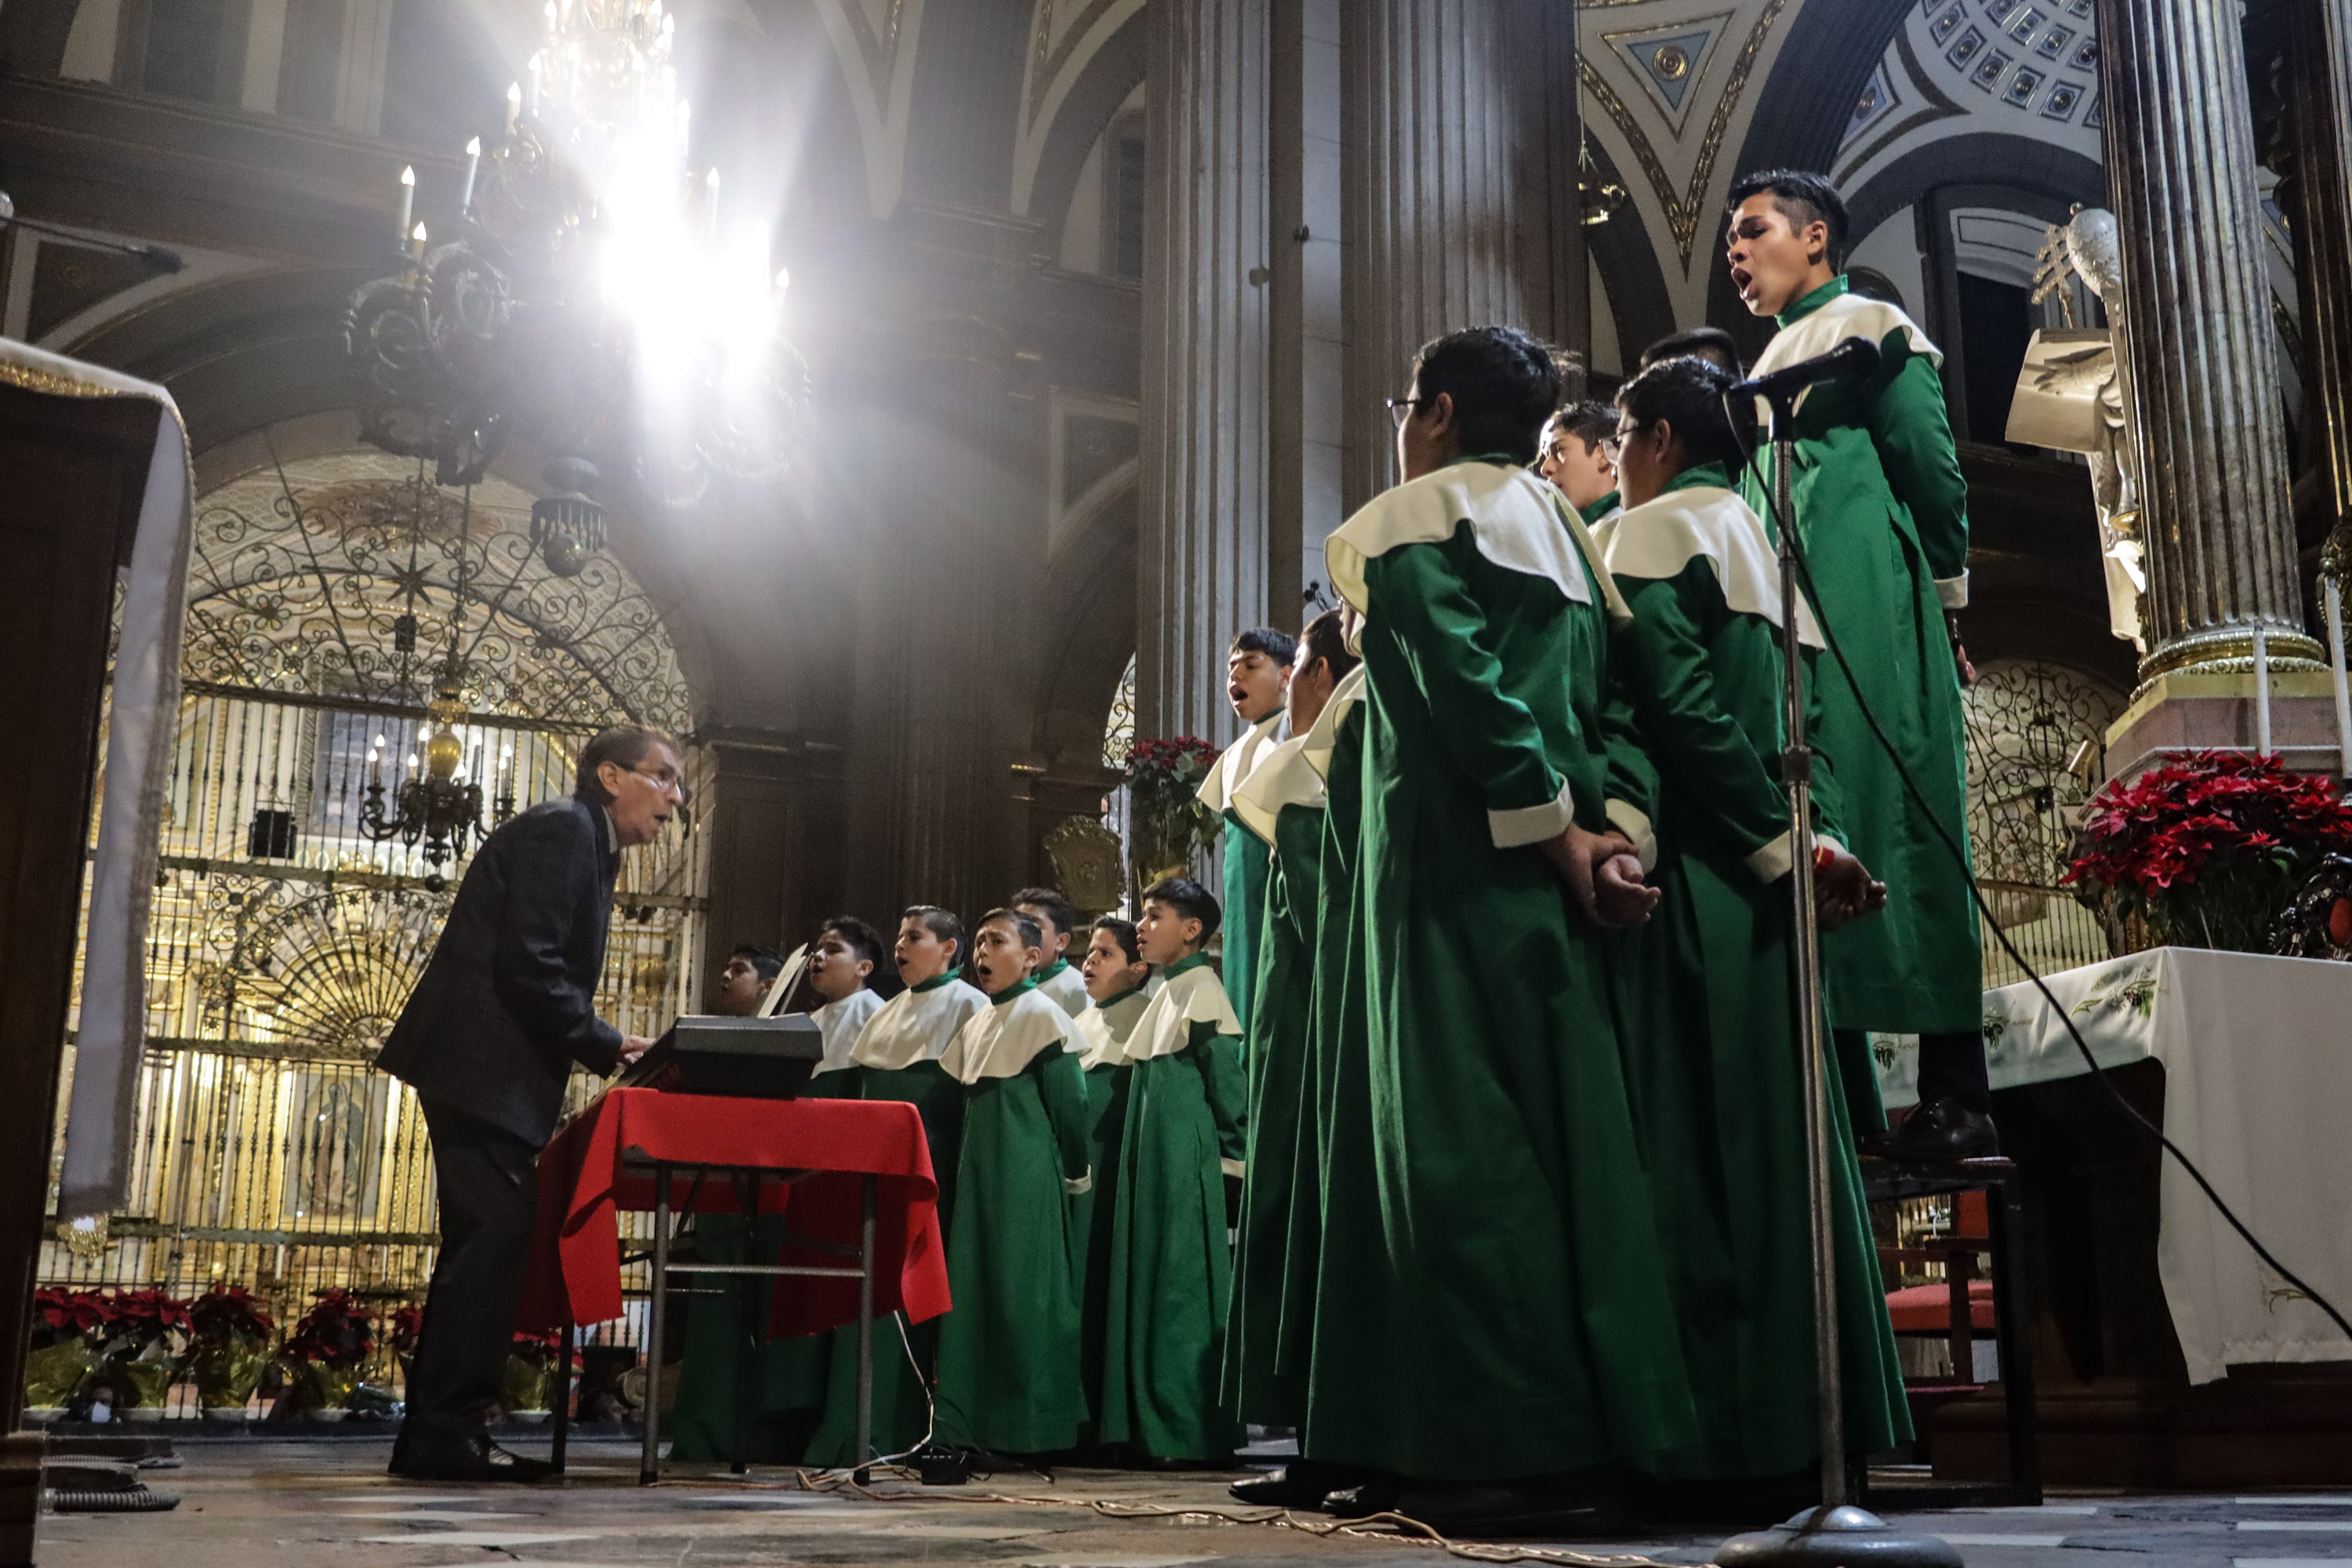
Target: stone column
x=1306, y=323
x=2205, y=403
x=1201, y=523
x=1459, y=202
x=2319, y=65
x=941, y=471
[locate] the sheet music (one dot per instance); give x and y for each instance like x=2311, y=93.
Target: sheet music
x=781, y=991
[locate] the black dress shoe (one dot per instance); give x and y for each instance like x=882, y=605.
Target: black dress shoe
x=1939, y=1132
x=1549, y=1508
x=1377, y=1494
x=1301, y=1483
x=468, y=1458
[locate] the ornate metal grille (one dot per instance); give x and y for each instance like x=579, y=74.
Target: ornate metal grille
x=2027, y=719
x=323, y=598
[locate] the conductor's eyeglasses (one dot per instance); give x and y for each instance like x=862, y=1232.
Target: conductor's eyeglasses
x=665, y=781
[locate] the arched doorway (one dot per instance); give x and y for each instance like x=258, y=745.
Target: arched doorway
x=2028, y=721
x=326, y=595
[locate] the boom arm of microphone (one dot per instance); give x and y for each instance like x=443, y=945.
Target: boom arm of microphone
x=1850, y=360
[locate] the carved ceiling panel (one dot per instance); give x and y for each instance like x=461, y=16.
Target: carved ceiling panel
x=876, y=41
x=2018, y=68
x=1063, y=35
x=1670, y=87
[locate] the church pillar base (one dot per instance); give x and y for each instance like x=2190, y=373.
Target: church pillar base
x=2176, y=713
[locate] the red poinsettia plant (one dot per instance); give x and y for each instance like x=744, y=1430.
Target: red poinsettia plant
x=227, y=1314
x=1163, y=780
x=2209, y=848
x=408, y=1323
x=59, y=1314
x=338, y=1332
x=142, y=1318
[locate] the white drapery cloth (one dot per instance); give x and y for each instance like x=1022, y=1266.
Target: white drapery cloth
x=2256, y=1077
x=111, y=1036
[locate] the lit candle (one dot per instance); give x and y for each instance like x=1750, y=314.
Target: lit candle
x=417, y=235
x=407, y=198
x=472, y=167
x=514, y=96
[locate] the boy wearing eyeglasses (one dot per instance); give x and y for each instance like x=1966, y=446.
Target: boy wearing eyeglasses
x=1579, y=457
x=1494, y=1332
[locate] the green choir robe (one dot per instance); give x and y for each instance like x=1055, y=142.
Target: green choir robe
x=1170, y=1269
x=1335, y=1120
x=1008, y=1362
x=1882, y=510
x=1709, y=1025
x=1602, y=510
x=1282, y=802
x=1492, y=1301
x=1102, y=1033
x=1246, y=859
x=1066, y=988
x=897, y=1057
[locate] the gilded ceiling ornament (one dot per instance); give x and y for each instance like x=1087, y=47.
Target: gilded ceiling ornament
x=1684, y=209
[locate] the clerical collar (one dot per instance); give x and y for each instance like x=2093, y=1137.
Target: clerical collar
x=1599, y=509
x=1814, y=300
x=936, y=981
x=1010, y=991
x=1699, y=474
x=1113, y=1001
x=1052, y=969
x=1183, y=964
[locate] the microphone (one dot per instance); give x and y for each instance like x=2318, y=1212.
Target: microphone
x=1853, y=358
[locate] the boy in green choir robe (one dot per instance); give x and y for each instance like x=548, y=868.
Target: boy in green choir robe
x=898, y=1056
x=1282, y=802
x=1713, y=345
x=1575, y=459
x=1710, y=1037
x=1115, y=975
x=1187, y=1105
x=1495, y=1326
x=722, y=1327
x=1057, y=925
x=846, y=953
x=1882, y=512
x=1256, y=671
x=1009, y=1380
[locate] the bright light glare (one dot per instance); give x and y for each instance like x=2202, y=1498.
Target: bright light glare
x=694, y=282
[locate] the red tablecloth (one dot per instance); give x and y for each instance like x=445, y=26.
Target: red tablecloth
x=575, y=1266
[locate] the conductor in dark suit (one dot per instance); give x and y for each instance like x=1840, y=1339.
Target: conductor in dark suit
x=487, y=1040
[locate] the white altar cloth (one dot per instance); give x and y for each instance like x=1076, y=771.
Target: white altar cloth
x=2257, y=1054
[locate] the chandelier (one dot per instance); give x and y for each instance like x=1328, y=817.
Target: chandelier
x=437, y=805
x=442, y=809
x=587, y=291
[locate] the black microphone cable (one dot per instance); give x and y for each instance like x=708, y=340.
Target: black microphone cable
x=1984, y=910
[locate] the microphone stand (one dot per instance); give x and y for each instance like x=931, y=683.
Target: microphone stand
x=1837, y=1533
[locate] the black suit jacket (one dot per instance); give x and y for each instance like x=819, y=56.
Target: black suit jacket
x=508, y=1003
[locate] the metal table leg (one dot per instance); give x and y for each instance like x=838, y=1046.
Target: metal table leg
x=747, y=1343
x=866, y=1335
x=563, y=1394
x=2013, y=1320
x=650, y=1457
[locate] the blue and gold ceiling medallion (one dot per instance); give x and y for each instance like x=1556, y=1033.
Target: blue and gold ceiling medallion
x=1669, y=61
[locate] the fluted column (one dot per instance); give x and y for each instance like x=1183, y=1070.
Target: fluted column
x=1459, y=199
x=2320, y=65
x=1202, y=525
x=2206, y=409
